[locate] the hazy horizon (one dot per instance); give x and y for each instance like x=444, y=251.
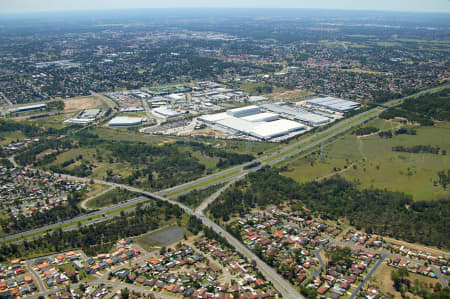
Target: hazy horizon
x=32, y=6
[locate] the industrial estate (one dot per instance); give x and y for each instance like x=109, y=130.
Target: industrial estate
x=226, y=154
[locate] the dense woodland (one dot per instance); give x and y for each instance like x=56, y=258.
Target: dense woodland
x=27, y=129
x=376, y=211
x=159, y=166
x=99, y=237
x=423, y=109
x=194, y=198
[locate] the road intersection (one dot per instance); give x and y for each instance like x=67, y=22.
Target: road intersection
x=228, y=176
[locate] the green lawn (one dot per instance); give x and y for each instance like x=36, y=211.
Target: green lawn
x=371, y=161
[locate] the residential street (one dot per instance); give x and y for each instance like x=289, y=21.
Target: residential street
x=368, y=276
x=284, y=287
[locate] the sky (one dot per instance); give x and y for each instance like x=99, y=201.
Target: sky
x=26, y=6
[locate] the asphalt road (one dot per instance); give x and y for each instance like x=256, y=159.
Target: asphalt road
x=29, y=265
x=322, y=264
x=442, y=279
x=282, y=157
x=212, y=198
x=358, y=289
x=190, y=184
x=280, y=284
x=284, y=287
x=84, y=202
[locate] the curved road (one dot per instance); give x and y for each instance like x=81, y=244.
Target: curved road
x=285, y=288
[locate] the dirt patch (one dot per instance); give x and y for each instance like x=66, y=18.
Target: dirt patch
x=206, y=132
x=290, y=95
x=82, y=103
x=167, y=141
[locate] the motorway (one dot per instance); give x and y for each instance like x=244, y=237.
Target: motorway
x=285, y=288
x=287, y=150
x=84, y=202
x=212, y=198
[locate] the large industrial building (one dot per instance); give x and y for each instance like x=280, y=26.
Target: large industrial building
x=297, y=114
x=244, y=111
x=251, y=122
x=334, y=104
x=165, y=112
x=276, y=121
x=125, y=121
x=265, y=116
x=84, y=117
x=28, y=108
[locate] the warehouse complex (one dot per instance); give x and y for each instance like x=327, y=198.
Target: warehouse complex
x=298, y=114
x=252, y=122
x=84, y=117
x=334, y=104
x=277, y=121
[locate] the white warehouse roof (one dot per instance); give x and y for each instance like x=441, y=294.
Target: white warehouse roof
x=214, y=117
x=268, y=130
x=244, y=111
x=237, y=124
x=297, y=114
x=166, y=112
x=265, y=116
x=262, y=130
x=334, y=104
x=125, y=121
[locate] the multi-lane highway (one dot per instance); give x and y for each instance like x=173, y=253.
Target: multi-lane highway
x=285, y=288
x=281, y=155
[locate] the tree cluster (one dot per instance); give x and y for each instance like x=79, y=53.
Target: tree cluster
x=376, y=211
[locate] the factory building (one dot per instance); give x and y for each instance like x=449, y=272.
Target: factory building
x=257, y=99
x=213, y=118
x=28, y=108
x=244, y=111
x=334, y=104
x=90, y=113
x=165, y=112
x=131, y=109
x=261, y=130
x=264, y=126
x=125, y=121
x=265, y=116
x=277, y=128
x=297, y=114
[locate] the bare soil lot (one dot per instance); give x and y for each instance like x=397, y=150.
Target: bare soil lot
x=82, y=103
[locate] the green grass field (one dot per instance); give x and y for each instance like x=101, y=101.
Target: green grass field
x=8, y=137
x=111, y=197
x=123, y=134
x=371, y=161
x=56, y=121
